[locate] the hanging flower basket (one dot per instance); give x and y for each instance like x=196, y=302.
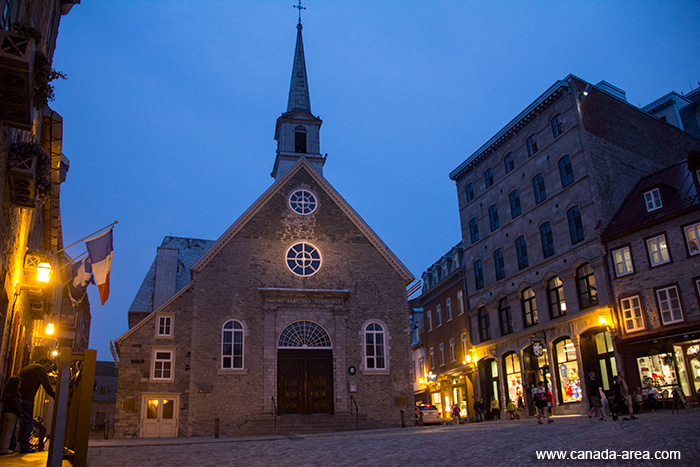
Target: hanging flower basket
x=29, y=172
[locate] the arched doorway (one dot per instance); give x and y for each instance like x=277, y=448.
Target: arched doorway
x=304, y=370
x=535, y=369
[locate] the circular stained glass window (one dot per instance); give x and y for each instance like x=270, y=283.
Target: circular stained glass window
x=303, y=202
x=303, y=259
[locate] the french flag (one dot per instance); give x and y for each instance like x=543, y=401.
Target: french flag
x=100, y=251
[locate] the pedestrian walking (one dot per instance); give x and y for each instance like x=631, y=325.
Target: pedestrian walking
x=511, y=409
x=31, y=377
x=626, y=396
x=11, y=410
x=539, y=396
x=479, y=409
x=594, y=398
x=455, y=414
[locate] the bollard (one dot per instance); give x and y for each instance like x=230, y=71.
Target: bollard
x=216, y=427
x=106, y=429
x=403, y=418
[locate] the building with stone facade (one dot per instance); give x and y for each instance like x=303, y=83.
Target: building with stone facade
x=653, y=258
x=444, y=337
x=32, y=170
x=297, y=309
x=534, y=201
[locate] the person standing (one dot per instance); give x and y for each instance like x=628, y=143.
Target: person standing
x=594, y=397
x=495, y=408
x=31, y=377
x=455, y=414
x=479, y=409
x=626, y=396
x=11, y=409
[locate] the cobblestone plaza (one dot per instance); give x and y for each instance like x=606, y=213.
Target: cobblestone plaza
x=491, y=443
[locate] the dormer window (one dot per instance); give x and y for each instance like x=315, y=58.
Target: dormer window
x=652, y=199
x=300, y=139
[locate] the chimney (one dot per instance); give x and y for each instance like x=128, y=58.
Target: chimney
x=166, y=276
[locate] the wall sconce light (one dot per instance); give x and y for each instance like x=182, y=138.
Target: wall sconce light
x=50, y=328
x=37, y=269
x=584, y=93
x=43, y=272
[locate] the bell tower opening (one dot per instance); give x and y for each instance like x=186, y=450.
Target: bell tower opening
x=300, y=139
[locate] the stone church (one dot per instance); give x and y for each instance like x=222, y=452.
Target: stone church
x=299, y=308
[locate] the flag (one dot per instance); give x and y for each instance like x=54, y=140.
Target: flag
x=100, y=251
x=82, y=276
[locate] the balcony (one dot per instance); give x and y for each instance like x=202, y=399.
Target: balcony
x=29, y=174
x=16, y=64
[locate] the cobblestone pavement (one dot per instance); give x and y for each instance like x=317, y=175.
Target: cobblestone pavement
x=484, y=444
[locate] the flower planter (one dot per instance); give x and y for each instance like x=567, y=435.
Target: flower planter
x=16, y=64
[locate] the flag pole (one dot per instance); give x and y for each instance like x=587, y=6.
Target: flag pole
x=87, y=236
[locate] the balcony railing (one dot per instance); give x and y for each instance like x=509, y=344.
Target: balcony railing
x=16, y=64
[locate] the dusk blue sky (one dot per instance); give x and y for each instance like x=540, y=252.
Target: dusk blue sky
x=170, y=106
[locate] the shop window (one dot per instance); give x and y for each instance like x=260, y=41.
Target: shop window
x=568, y=377
x=555, y=293
x=632, y=313
x=606, y=359
x=659, y=370
x=514, y=381
x=586, y=286
x=669, y=305
x=622, y=257
x=505, y=316
x=232, y=345
x=529, y=305
x=484, y=324
x=658, y=250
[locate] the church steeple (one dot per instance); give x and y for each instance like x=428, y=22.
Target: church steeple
x=297, y=130
x=299, y=87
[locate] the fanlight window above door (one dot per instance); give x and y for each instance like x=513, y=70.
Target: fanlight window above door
x=304, y=334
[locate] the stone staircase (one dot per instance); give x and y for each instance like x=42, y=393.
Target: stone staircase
x=305, y=424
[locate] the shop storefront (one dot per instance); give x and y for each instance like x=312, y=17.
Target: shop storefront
x=568, y=379
x=535, y=369
x=677, y=367
x=514, y=380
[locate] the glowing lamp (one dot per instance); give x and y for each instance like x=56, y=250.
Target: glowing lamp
x=603, y=321
x=43, y=272
x=50, y=328
x=54, y=353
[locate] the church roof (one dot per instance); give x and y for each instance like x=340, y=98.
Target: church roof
x=299, y=86
x=355, y=218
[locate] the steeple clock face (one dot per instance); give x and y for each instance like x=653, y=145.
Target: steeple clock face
x=303, y=202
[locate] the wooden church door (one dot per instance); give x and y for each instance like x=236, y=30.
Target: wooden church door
x=305, y=381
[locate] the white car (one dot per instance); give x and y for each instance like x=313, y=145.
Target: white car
x=428, y=414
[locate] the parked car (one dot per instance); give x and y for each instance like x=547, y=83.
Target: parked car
x=428, y=414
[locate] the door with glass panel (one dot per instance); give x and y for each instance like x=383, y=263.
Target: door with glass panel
x=159, y=416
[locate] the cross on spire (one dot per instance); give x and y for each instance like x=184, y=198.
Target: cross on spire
x=299, y=7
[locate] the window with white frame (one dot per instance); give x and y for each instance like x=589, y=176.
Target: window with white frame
x=652, y=199
x=658, y=251
x=448, y=305
x=432, y=357
x=464, y=345
x=162, y=367
x=622, y=258
x=692, y=238
x=375, y=356
x=164, y=327
x=632, y=313
x=232, y=345
x=442, y=354
x=460, y=302
x=453, y=351
x=429, y=314
x=421, y=367
x=669, y=305
x=438, y=311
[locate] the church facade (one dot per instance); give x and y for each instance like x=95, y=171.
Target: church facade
x=299, y=308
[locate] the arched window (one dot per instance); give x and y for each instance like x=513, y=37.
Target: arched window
x=508, y=162
x=484, y=324
x=555, y=294
x=232, y=345
x=300, y=139
x=514, y=379
x=585, y=285
x=375, y=348
x=304, y=334
x=529, y=305
x=568, y=376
